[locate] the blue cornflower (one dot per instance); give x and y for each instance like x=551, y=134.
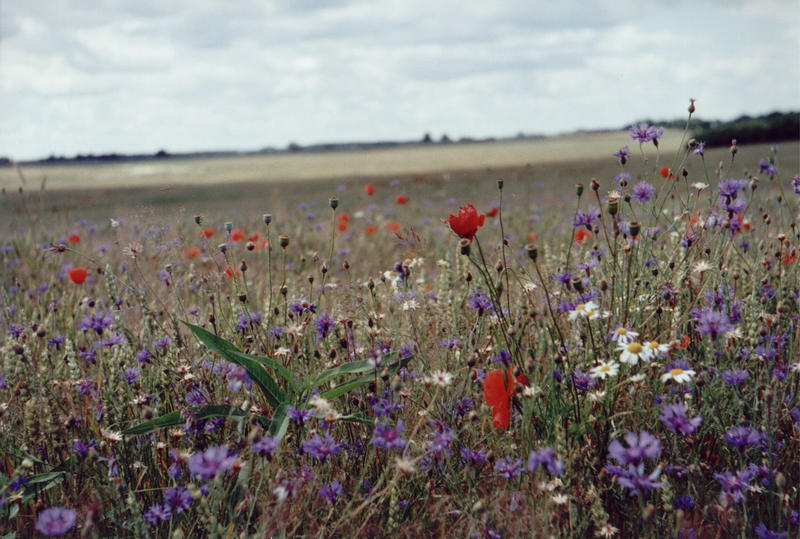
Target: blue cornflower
x=675, y=419
x=177, y=499
x=640, y=446
x=582, y=380
x=545, y=456
x=331, y=491
x=321, y=446
x=645, y=133
x=299, y=415
x=479, y=301
x=131, y=375
x=157, y=513
x=208, y=463
x=55, y=521
x=508, y=467
x=643, y=191
x=323, y=325
x=712, y=323
x=265, y=446
x=735, y=377
x=684, y=502
x=388, y=437
x=623, y=154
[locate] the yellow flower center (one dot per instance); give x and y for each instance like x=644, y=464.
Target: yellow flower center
x=635, y=348
x=652, y=345
x=589, y=313
x=676, y=371
x=605, y=368
x=622, y=331
x=580, y=307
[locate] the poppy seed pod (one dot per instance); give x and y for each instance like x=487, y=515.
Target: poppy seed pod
x=267, y=218
x=334, y=203
x=635, y=228
x=198, y=219
x=500, y=182
x=284, y=241
x=228, y=226
x=613, y=207
x=464, y=245
x=579, y=189
x=532, y=251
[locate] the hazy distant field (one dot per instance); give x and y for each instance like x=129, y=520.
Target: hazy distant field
x=304, y=166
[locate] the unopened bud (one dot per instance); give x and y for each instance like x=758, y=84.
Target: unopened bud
x=691, y=106
x=595, y=185
x=532, y=251
x=464, y=246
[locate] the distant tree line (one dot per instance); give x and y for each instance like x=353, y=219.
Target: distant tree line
x=773, y=127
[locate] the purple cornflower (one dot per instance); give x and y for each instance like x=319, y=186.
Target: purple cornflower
x=479, y=301
x=143, y=356
x=177, y=499
x=796, y=184
x=713, y=323
x=98, y=321
x=508, y=467
x=586, y=219
x=208, y=463
x=502, y=357
x=331, y=492
x=767, y=167
x=265, y=446
x=441, y=439
x=623, y=154
x=55, y=521
x=15, y=330
x=323, y=325
x=56, y=341
x=623, y=178
x=635, y=479
x=674, y=417
x=741, y=436
x=131, y=375
x=114, y=339
x=545, y=456
x=473, y=456
x=321, y=447
x=299, y=416
x=582, y=380
x=733, y=485
x=157, y=513
x=640, y=446
x=162, y=343
x=735, y=377
x=245, y=322
x=388, y=437
x=643, y=191
x=646, y=133
x=765, y=533
x=729, y=188
x=699, y=149
x=684, y=502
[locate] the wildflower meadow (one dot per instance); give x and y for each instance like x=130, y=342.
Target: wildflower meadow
x=488, y=354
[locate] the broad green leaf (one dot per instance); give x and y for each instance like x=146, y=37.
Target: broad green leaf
x=173, y=419
x=353, y=367
x=272, y=393
x=355, y=383
x=280, y=421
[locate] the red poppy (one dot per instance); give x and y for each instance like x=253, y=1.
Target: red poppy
x=790, y=257
x=253, y=237
x=237, y=234
x=344, y=217
x=207, y=232
x=498, y=388
x=581, y=234
x=393, y=226
x=191, y=252
x=493, y=212
x=369, y=189
x=230, y=272
x=74, y=238
x=685, y=341
x=342, y=226
x=78, y=275
x=531, y=236
x=467, y=222
x=666, y=172
x=401, y=199
x=370, y=229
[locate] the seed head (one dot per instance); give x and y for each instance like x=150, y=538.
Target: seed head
x=267, y=218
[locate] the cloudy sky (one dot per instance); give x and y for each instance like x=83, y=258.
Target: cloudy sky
x=138, y=75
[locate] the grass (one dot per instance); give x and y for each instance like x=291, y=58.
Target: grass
x=358, y=377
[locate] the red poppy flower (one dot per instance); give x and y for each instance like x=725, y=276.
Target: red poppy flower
x=581, y=234
x=393, y=226
x=230, y=272
x=370, y=229
x=191, y=252
x=685, y=341
x=401, y=199
x=666, y=172
x=237, y=234
x=74, y=238
x=342, y=226
x=498, y=388
x=790, y=257
x=207, y=232
x=344, y=217
x=253, y=237
x=78, y=275
x=531, y=236
x=467, y=222
x=369, y=189
x=493, y=212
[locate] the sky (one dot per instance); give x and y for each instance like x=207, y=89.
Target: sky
x=136, y=76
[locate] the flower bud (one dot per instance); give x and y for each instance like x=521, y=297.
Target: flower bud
x=228, y=226
x=284, y=241
x=579, y=189
x=595, y=185
x=613, y=207
x=500, y=184
x=464, y=245
x=635, y=228
x=334, y=203
x=691, y=106
x=532, y=251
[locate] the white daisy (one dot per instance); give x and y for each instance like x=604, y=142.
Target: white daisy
x=678, y=374
x=604, y=370
x=405, y=464
x=624, y=335
x=632, y=353
x=588, y=310
x=439, y=378
x=653, y=350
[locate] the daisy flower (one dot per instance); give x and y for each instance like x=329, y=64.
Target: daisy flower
x=588, y=310
x=605, y=370
x=623, y=335
x=654, y=350
x=679, y=372
x=632, y=353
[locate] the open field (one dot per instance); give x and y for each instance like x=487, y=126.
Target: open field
x=560, y=362
x=326, y=165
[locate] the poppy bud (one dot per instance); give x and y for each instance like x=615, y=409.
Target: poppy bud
x=284, y=290
x=346, y=264
x=324, y=269
x=577, y=284
x=595, y=185
x=532, y=251
x=334, y=203
x=734, y=149
x=243, y=266
x=691, y=106
x=284, y=241
x=250, y=246
x=464, y=245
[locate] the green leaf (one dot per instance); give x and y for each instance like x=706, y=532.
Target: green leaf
x=272, y=393
x=353, y=367
x=280, y=421
x=355, y=383
x=173, y=419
